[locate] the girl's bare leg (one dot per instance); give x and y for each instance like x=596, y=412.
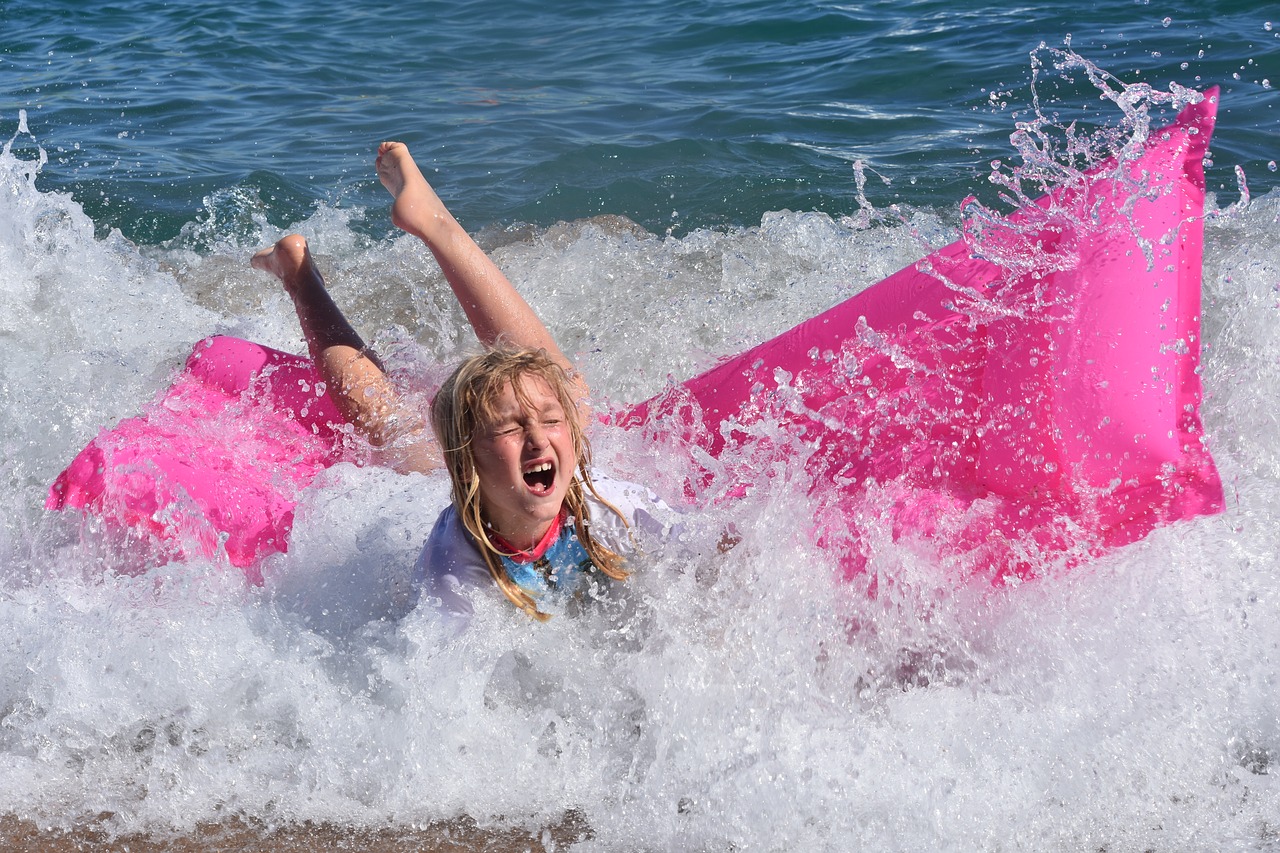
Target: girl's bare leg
x=489, y=300
x=354, y=376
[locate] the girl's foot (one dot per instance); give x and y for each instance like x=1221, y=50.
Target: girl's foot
x=290, y=261
x=416, y=209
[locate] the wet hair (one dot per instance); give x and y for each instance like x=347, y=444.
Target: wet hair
x=464, y=405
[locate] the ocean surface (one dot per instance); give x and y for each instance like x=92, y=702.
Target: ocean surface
x=668, y=183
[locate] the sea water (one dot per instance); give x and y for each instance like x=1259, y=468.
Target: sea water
x=667, y=185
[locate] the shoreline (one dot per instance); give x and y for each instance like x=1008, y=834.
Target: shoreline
x=21, y=835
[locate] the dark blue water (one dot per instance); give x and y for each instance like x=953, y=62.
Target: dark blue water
x=677, y=114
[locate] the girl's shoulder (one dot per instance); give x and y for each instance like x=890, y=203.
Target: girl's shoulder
x=449, y=563
x=643, y=512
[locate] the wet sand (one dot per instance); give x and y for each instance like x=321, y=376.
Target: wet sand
x=18, y=835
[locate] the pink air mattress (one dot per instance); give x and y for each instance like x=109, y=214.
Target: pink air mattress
x=1010, y=414
x=218, y=460
x=1007, y=414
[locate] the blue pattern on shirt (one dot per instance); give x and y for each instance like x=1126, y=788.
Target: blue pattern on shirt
x=559, y=569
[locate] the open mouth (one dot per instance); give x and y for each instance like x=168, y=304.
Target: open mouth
x=540, y=478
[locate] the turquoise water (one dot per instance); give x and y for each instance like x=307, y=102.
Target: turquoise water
x=778, y=158
x=676, y=114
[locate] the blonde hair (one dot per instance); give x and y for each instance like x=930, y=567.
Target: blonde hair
x=465, y=403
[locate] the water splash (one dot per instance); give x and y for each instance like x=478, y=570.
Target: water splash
x=724, y=700
x=33, y=166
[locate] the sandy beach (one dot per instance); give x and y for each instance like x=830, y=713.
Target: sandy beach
x=462, y=834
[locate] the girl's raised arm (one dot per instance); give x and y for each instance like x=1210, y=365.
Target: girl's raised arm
x=491, y=303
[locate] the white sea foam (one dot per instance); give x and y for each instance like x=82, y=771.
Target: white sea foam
x=742, y=700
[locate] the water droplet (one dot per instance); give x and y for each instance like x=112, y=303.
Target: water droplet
x=1267, y=26
x=1271, y=165
x=1166, y=22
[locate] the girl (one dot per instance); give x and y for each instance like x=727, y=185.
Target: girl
x=526, y=513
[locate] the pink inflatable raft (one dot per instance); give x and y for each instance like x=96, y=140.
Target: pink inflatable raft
x=218, y=460
x=1007, y=416
x=1008, y=413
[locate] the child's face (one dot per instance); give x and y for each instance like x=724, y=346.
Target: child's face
x=525, y=460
